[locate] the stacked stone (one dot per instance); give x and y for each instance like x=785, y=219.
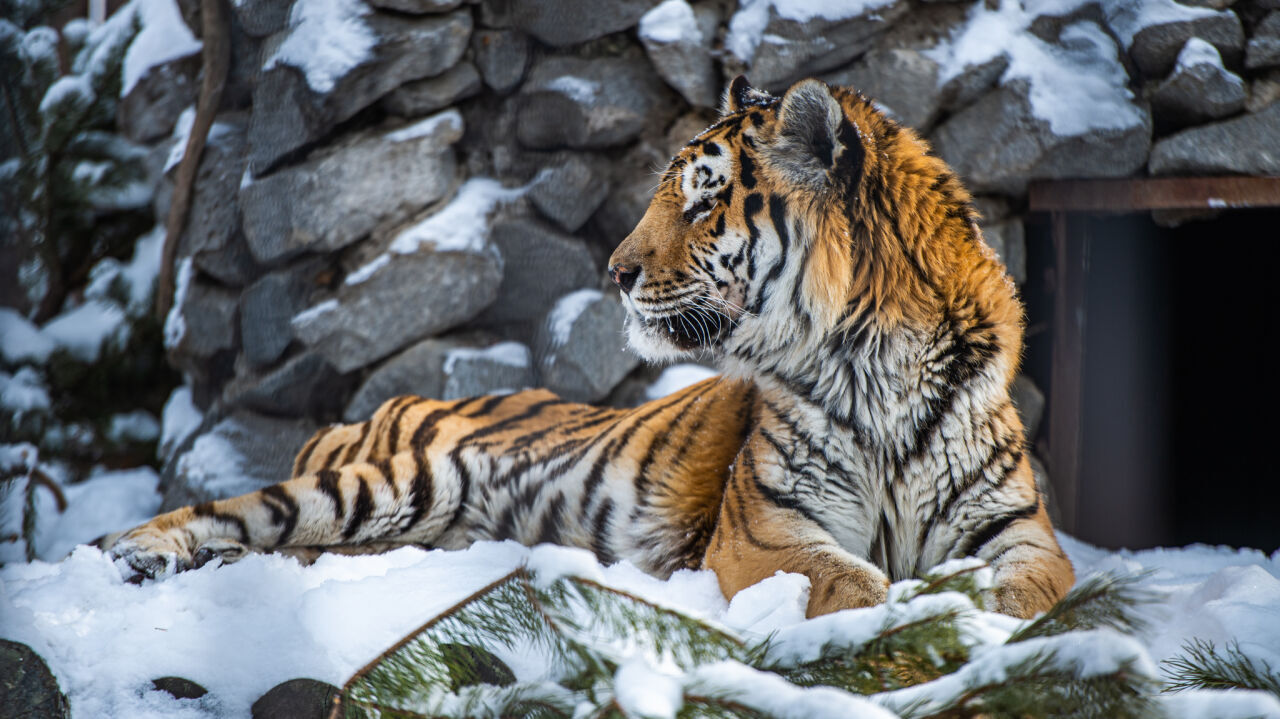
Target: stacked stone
x=431, y=214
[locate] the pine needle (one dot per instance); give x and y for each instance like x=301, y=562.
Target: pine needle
x=1203, y=666
x=1103, y=600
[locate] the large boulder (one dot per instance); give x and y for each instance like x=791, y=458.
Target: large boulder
x=267, y=308
x=1013, y=135
x=580, y=350
x=471, y=372
x=201, y=324
x=1199, y=89
x=304, y=385
x=27, y=687
x=1246, y=145
x=1155, y=32
x=678, y=39
x=418, y=370
x=212, y=236
x=501, y=57
x=1264, y=47
x=785, y=42
x=342, y=193
x=302, y=95
x=541, y=265
x=564, y=22
x=242, y=453
x=568, y=191
x=423, y=96
x=587, y=104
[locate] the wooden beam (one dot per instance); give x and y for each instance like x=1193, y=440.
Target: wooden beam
x=1154, y=193
x=1066, y=383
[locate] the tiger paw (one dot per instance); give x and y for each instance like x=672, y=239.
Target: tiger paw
x=143, y=555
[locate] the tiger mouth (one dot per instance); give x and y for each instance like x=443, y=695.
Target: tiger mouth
x=688, y=330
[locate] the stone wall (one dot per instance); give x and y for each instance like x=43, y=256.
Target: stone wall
x=419, y=195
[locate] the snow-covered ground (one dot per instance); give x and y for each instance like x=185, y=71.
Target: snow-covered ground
x=239, y=630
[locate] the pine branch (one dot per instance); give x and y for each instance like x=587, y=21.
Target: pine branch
x=1103, y=600
x=1202, y=666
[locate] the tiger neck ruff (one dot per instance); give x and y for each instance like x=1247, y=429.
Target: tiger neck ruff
x=863, y=429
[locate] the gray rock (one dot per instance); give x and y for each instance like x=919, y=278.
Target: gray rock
x=207, y=313
x=1263, y=91
x=423, y=96
x=179, y=688
x=267, y=308
x=212, y=236
x=1029, y=401
x=790, y=50
x=541, y=265
x=501, y=56
x=1155, y=48
x=418, y=370
x=27, y=687
x=339, y=195
x=564, y=22
x=568, y=193
x=443, y=289
x=580, y=350
x=631, y=193
x=242, y=453
x=1197, y=92
x=683, y=58
x=289, y=114
x=1008, y=239
x=297, y=699
x=303, y=386
x=1246, y=145
x=998, y=144
x=417, y=7
x=992, y=208
x=591, y=104
x=1263, y=49
x=471, y=372
x=260, y=18
x=154, y=103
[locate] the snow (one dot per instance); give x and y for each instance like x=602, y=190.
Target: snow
x=22, y=392
x=136, y=426
x=82, y=331
x=164, y=37
x=20, y=340
x=1077, y=85
x=512, y=354
x=214, y=464
x=1199, y=52
x=40, y=46
x=315, y=311
x=423, y=128
x=670, y=21
x=1128, y=18
x=566, y=311
x=138, y=277
x=180, y=418
x=460, y=226
x=327, y=38
x=182, y=132
x=175, y=326
x=575, y=88
x=747, y=26
x=67, y=92
x=677, y=377
x=241, y=629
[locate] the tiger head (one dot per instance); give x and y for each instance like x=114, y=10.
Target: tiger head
x=787, y=222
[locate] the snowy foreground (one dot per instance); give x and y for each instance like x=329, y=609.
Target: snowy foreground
x=240, y=630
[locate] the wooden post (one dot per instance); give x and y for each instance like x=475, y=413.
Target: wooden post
x=1071, y=265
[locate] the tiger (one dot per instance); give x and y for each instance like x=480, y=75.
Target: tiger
x=861, y=431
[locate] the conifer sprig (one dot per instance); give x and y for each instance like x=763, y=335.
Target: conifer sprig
x=1103, y=600
x=1201, y=665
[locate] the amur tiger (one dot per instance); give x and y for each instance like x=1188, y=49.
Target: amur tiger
x=862, y=430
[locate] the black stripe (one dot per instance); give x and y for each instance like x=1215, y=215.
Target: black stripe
x=549, y=528
x=428, y=428
x=355, y=446
x=361, y=512
x=753, y=204
x=393, y=434
x=327, y=482
x=284, y=511
x=422, y=489
x=490, y=403
x=600, y=532
x=300, y=463
x=746, y=170
x=975, y=541
x=206, y=509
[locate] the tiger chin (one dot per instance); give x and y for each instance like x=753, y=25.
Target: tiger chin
x=862, y=431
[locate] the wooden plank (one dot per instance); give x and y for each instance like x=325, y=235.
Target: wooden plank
x=1154, y=193
x=1066, y=383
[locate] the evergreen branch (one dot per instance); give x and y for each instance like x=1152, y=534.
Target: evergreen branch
x=1103, y=600
x=955, y=582
x=1202, y=666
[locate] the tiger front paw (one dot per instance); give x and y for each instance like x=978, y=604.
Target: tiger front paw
x=143, y=554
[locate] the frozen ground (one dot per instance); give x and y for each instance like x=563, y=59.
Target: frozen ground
x=241, y=629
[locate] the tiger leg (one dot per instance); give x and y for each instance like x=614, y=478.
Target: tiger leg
x=1031, y=571
x=755, y=538
x=401, y=500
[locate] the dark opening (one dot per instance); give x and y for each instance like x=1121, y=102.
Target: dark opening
x=1179, y=442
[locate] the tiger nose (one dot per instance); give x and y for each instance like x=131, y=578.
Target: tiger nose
x=624, y=278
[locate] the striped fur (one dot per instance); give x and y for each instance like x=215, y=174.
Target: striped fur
x=862, y=432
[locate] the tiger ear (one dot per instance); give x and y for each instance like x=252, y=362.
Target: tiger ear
x=740, y=95
x=811, y=134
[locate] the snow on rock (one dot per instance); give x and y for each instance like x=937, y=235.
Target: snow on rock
x=670, y=21
x=182, y=132
x=23, y=392
x=163, y=37
x=747, y=27
x=428, y=126
x=327, y=38
x=20, y=340
x=677, y=377
x=460, y=226
x=83, y=331
x=174, y=324
x=215, y=466
x=180, y=418
x=1198, y=52
x=566, y=311
x=511, y=354
x=136, y=426
x=1128, y=18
